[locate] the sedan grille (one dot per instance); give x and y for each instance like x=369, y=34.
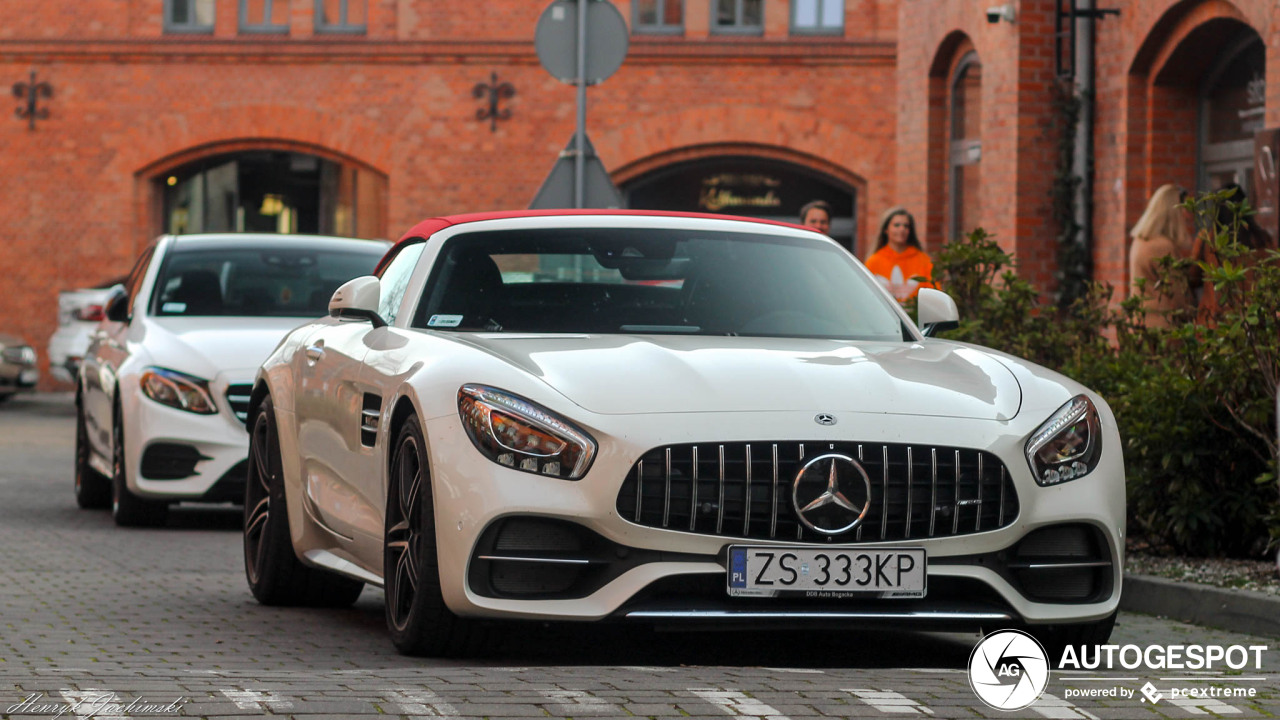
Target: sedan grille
x=744, y=490
x=238, y=398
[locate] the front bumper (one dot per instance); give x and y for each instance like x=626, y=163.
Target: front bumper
x=18, y=378
x=176, y=455
x=972, y=579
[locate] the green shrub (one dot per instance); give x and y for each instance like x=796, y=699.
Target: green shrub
x=1195, y=403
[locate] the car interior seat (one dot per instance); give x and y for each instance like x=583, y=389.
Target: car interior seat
x=473, y=289
x=200, y=291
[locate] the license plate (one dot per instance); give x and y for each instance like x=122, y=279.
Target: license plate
x=756, y=571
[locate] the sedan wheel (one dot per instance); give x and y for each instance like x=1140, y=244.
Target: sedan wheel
x=128, y=509
x=275, y=575
x=419, y=621
x=93, y=491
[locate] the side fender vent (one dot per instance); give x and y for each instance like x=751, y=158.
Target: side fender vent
x=370, y=419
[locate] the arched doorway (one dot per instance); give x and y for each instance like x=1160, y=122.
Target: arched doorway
x=273, y=191
x=758, y=187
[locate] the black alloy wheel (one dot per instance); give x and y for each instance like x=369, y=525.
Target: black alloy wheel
x=93, y=491
x=417, y=617
x=274, y=573
x=128, y=509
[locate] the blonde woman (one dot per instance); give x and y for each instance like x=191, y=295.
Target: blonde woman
x=1161, y=232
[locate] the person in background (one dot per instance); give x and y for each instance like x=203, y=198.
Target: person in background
x=1249, y=234
x=817, y=215
x=1161, y=232
x=899, y=262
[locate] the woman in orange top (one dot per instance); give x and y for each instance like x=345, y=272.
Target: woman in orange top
x=898, y=258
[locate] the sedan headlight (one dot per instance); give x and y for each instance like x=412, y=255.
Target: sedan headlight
x=19, y=355
x=178, y=390
x=1068, y=445
x=514, y=432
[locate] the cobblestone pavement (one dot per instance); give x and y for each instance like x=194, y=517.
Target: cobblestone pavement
x=97, y=621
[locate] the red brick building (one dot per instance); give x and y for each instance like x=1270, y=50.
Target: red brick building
x=360, y=117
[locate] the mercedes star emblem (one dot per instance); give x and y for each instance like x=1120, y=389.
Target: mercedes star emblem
x=824, y=419
x=831, y=494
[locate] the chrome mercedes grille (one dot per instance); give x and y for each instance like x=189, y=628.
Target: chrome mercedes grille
x=238, y=398
x=743, y=490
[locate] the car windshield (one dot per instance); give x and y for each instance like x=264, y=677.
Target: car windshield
x=653, y=281
x=248, y=281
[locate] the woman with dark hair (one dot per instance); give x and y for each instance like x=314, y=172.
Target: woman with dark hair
x=899, y=259
x=1243, y=230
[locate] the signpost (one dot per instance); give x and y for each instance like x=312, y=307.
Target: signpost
x=581, y=42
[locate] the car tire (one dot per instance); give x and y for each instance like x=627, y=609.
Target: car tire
x=1056, y=638
x=419, y=621
x=128, y=509
x=275, y=575
x=93, y=491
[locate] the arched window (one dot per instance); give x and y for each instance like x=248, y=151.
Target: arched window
x=964, y=147
x=273, y=191
x=1232, y=105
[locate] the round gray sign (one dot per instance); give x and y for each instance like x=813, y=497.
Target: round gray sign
x=556, y=40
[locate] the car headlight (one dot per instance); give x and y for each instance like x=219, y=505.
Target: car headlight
x=19, y=354
x=1068, y=445
x=178, y=390
x=514, y=432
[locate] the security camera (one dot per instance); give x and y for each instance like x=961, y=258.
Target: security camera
x=1000, y=12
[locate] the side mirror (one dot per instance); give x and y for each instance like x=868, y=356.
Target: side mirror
x=117, y=307
x=937, y=312
x=358, y=298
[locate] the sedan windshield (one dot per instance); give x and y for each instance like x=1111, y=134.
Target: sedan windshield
x=653, y=281
x=257, y=281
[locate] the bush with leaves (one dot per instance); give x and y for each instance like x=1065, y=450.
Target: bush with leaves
x=1194, y=402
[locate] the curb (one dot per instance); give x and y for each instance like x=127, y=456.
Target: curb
x=1233, y=610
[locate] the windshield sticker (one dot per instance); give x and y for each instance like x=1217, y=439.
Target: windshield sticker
x=444, y=321
x=174, y=307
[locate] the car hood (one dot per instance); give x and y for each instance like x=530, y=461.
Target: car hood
x=210, y=346
x=668, y=374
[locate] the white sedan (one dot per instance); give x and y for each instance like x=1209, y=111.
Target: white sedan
x=163, y=390
x=674, y=420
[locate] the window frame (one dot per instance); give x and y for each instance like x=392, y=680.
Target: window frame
x=961, y=152
x=817, y=29
x=265, y=28
x=737, y=28
x=343, y=27
x=662, y=27
x=191, y=28
x=1237, y=155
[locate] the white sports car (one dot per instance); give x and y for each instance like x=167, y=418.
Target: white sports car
x=667, y=419
x=163, y=390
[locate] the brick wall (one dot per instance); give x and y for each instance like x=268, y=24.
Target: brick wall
x=79, y=194
x=868, y=108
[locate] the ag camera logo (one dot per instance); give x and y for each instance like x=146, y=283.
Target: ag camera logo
x=1008, y=670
